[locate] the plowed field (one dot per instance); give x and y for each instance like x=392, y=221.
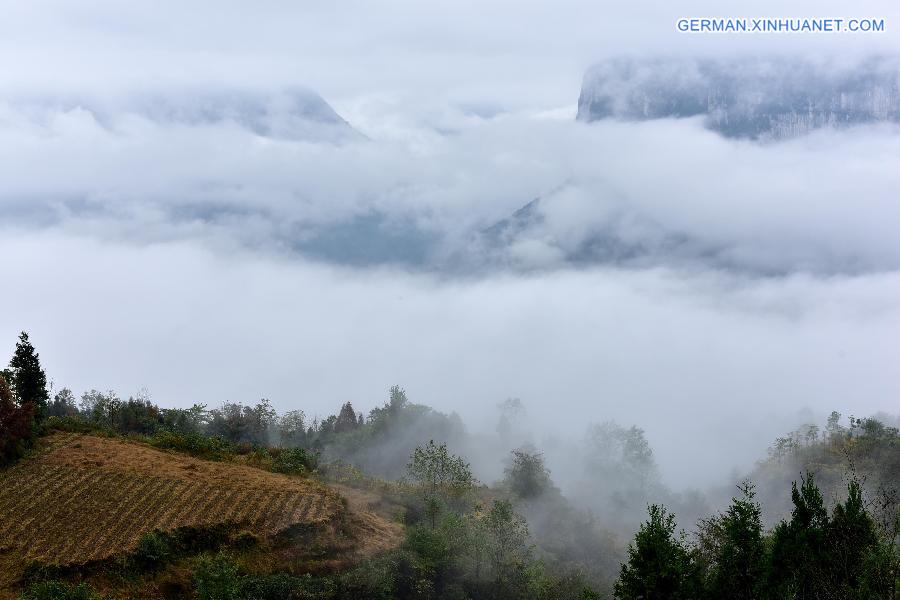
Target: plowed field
x=85, y=498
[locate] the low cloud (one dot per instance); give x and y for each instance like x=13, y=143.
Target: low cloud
x=662, y=193
x=697, y=360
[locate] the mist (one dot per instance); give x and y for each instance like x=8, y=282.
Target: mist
x=694, y=360
x=745, y=288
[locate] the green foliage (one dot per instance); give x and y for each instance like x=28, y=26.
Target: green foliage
x=506, y=534
x=208, y=447
x=440, y=476
x=851, y=540
x=153, y=550
x=293, y=461
x=346, y=419
x=527, y=476
x=740, y=558
x=798, y=561
x=434, y=551
x=243, y=424
x=217, y=578
x=63, y=404
x=658, y=565
x=59, y=590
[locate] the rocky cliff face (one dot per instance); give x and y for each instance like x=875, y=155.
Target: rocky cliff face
x=756, y=99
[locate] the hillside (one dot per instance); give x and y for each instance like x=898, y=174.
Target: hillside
x=82, y=500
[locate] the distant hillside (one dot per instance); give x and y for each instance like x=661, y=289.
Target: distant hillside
x=748, y=98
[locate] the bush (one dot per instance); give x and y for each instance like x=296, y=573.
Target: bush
x=293, y=461
x=73, y=425
x=58, y=590
x=153, y=551
x=217, y=578
x=211, y=448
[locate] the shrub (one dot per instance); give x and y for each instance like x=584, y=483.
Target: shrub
x=212, y=447
x=153, y=550
x=73, y=425
x=293, y=461
x=58, y=590
x=217, y=578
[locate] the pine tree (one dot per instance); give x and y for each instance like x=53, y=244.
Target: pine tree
x=798, y=566
x=29, y=383
x=346, y=419
x=739, y=564
x=851, y=538
x=658, y=565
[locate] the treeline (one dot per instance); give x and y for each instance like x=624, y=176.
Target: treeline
x=520, y=537
x=850, y=550
x=814, y=554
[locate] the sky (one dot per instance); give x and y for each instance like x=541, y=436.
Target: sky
x=149, y=242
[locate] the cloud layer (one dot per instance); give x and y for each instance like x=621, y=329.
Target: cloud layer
x=156, y=232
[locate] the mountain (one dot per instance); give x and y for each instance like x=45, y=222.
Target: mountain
x=291, y=114
x=295, y=114
x=746, y=98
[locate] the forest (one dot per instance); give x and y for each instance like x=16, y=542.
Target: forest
x=484, y=517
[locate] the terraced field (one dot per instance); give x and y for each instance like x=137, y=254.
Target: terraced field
x=86, y=498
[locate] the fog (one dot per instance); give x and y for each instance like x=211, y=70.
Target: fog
x=698, y=361
x=210, y=260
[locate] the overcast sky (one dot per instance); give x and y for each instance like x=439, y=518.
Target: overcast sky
x=465, y=112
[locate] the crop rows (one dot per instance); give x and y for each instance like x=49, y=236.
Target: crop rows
x=72, y=515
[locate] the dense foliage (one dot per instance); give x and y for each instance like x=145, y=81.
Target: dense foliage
x=812, y=555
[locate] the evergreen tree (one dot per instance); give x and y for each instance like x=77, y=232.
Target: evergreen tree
x=739, y=564
x=851, y=538
x=658, y=565
x=346, y=419
x=29, y=383
x=797, y=565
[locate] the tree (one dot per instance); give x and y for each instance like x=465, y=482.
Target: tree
x=506, y=534
x=29, y=382
x=238, y=423
x=658, y=565
x=15, y=424
x=292, y=428
x=739, y=561
x=63, y=404
x=100, y=407
x=851, y=537
x=833, y=429
x=622, y=454
x=440, y=476
x=526, y=476
x=511, y=414
x=797, y=563
x=346, y=419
